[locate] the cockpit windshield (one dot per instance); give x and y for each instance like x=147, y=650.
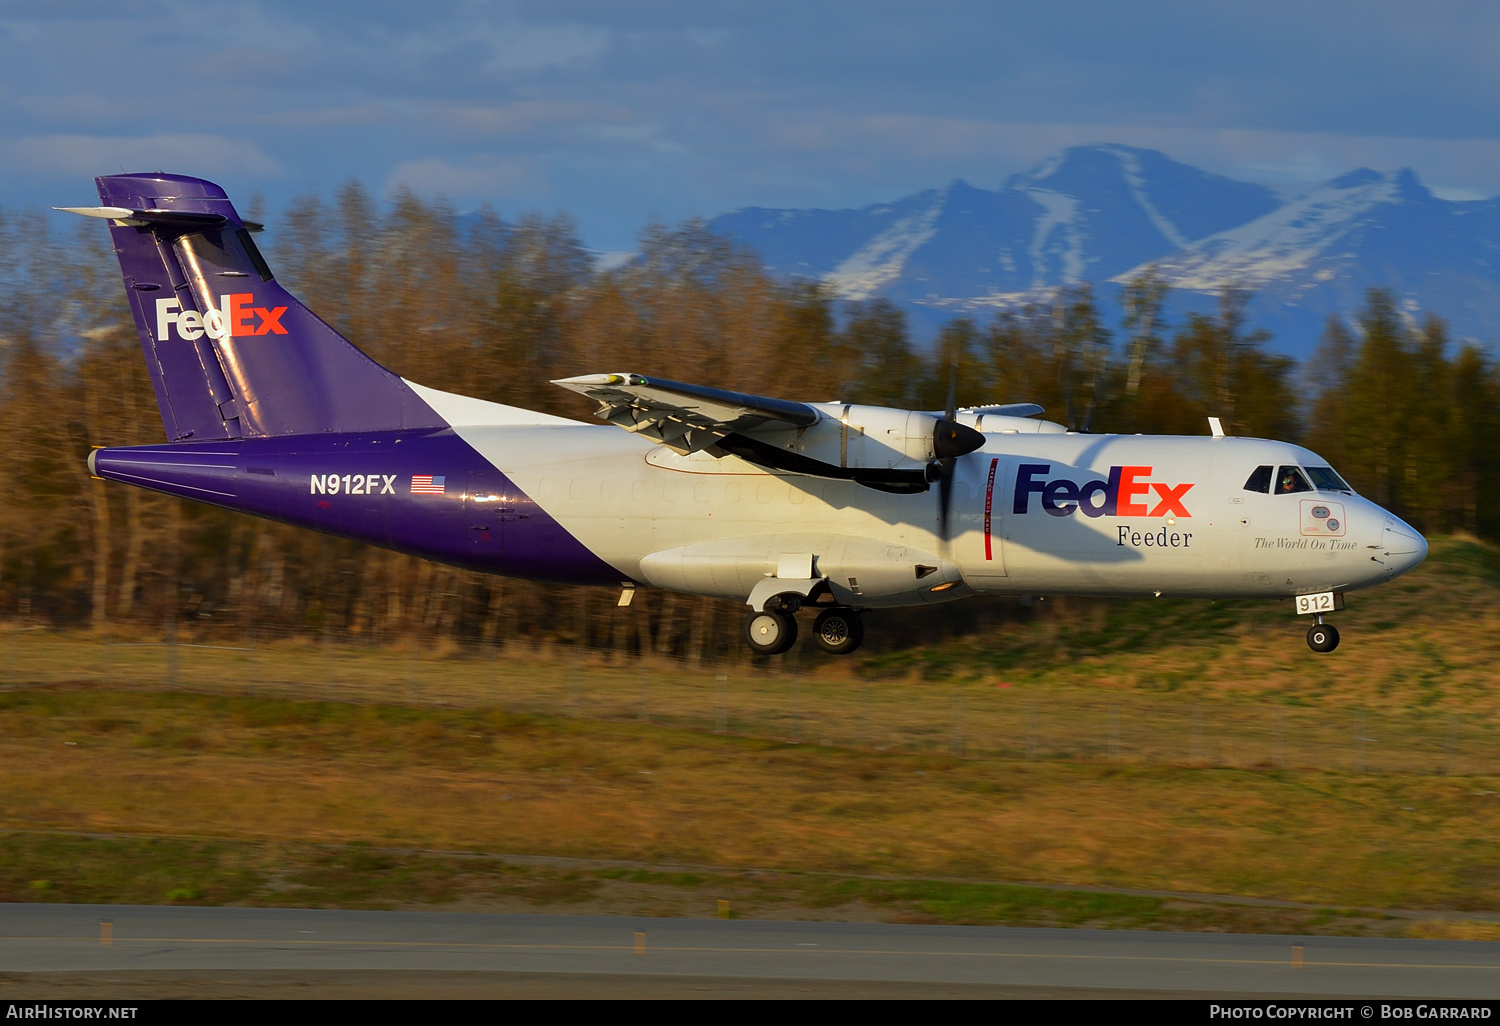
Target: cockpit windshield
x=1289, y=480
x=1325, y=480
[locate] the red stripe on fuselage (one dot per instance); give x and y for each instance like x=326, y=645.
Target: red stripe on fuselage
x=989, y=505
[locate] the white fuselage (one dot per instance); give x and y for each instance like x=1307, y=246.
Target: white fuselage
x=1166, y=515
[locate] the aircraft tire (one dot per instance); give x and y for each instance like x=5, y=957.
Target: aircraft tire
x=1322, y=637
x=770, y=633
x=839, y=631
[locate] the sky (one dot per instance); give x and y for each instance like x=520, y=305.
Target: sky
x=616, y=113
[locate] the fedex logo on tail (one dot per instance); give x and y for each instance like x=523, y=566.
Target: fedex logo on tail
x=233, y=317
x=1126, y=493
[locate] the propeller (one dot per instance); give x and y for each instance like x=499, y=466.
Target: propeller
x=950, y=440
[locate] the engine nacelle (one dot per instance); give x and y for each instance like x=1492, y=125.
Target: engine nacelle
x=893, y=450
x=861, y=438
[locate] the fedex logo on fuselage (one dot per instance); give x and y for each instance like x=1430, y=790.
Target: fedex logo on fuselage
x=234, y=316
x=1126, y=493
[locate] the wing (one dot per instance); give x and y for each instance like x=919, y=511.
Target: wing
x=998, y=410
x=684, y=417
x=1002, y=410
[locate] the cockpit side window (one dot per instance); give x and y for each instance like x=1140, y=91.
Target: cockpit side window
x=1260, y=481
x=1325, y=480
x=1289, y=480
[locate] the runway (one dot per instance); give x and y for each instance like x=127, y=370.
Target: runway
x=39, y=941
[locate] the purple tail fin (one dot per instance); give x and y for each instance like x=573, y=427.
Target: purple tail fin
x=232, y=354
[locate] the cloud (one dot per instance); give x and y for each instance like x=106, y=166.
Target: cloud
x=1454, y=166
x=527, y=48
x=90, y=155
x=485, y=177
x=73, y=108
x=331, y=117
x=614, y=111
x=613, y=259
x=79, y=10
x=908, y=145
x=526, y=116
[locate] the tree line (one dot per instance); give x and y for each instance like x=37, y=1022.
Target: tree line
x=493, y=308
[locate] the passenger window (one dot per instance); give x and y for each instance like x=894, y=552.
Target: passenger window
x=1289, y=480
x=1260, y=481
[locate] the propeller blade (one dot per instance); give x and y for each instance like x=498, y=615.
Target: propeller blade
x=945, y=496
x=950, y=440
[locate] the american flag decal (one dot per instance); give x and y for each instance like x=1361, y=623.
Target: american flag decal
x=427, y=484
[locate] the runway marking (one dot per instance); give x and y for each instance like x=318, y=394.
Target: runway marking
x=485, y=945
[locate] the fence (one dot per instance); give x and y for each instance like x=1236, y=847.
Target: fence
x=799, y=697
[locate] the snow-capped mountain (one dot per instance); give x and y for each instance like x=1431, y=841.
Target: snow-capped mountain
x=1104, y=213
x=1318, y=254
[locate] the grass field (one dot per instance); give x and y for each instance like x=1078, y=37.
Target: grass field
x=1189, y=748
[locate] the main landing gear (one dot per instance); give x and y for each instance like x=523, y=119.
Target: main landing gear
x=838, y=631
x=770, y=632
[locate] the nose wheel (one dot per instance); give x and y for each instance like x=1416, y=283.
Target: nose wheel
x=1322, y=637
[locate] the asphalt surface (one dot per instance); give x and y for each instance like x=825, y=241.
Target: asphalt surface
x=39, y=941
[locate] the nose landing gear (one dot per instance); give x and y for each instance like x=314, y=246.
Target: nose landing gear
x=1322, y=637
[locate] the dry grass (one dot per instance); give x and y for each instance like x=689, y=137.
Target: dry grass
x=175, y=765
x=1455, y=929
x=1184, y=747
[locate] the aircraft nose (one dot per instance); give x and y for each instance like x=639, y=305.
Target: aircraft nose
x=1404, y=547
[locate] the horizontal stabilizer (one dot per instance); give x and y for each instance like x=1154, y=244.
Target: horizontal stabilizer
x=137, y=218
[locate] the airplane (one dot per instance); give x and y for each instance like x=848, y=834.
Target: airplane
x=832, y=507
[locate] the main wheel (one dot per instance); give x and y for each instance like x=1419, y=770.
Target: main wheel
x=839, y=631
x=770, y=633
x=1322, y=637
